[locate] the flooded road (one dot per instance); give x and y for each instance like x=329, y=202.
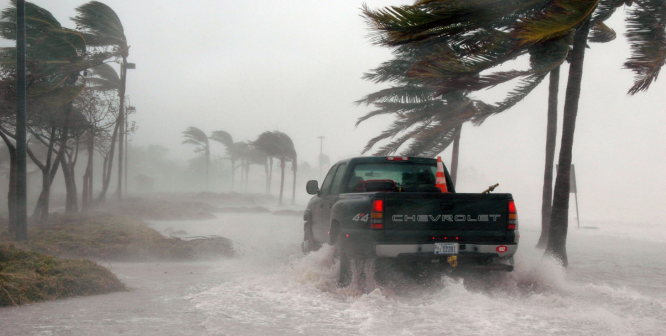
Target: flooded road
x=614, y=286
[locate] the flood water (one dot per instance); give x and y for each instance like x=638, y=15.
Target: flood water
x=615, y=285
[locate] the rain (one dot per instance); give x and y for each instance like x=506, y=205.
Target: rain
x=170, y=148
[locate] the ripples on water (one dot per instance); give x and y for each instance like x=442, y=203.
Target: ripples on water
x=274, y=290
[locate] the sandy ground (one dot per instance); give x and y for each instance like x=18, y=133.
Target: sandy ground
x=614, y=286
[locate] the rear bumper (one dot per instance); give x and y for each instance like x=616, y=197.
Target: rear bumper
x=499, y=250
x=472, y=245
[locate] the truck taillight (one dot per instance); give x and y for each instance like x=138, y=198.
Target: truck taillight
x=513, y=216
x=377, y=214
x=397, y=158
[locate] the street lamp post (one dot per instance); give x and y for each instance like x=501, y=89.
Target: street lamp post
x=21, y=183
x=321, y=153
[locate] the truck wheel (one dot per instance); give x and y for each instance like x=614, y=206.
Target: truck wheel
x=345, y=276
x=309, y=244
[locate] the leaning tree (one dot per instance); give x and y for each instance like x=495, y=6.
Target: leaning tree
x=102, y=28
x=57, y=57
x=197, y=137
x=280, y=146
x=527, y=26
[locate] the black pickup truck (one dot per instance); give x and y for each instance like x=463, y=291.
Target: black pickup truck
x=390, y=207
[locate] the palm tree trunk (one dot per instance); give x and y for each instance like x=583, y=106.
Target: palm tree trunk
x=121, y=122
x=11, y=194
x=267, y=176
x=207, y=164
x=71, y=205
x=247, y=174
x=240, y=166
x=551, y=140
x=454, y=154
x=270, y=174
x=106, y=179
x=68, y=165
x=282, y=164
x=92, y=166
x=87, y=180
x=559, y=219
x=293, y=191
x=84, y=190
x=233, y=174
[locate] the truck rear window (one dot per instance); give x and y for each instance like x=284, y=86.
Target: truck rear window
x=392, y=176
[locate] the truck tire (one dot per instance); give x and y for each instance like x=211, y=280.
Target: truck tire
x=345, y=276
x=309, y=244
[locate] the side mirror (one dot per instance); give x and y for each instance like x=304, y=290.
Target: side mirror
x=312, y=187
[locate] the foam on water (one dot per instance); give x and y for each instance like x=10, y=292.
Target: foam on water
x=283, y=292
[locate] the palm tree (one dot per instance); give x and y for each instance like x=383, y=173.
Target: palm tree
x=585, y=18
x=238, y=151
x=102, y=27
x=103, y=78
x=454, y=62
x=431, y=112
x=228, y=141
x=551, y=133
x=279, y=145
x=57, y=56
x=197, y=137
x=533, y=25
x=257, y=156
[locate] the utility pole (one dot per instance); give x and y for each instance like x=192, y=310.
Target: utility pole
x=126, y=145
x=121, y=121
x=321, y=153
x=124, y=66
x=128, y=110
x=21, y=181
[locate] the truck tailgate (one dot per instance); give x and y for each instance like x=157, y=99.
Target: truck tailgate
x=438, y=212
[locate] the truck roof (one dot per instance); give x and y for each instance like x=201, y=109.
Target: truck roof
x=376, y=159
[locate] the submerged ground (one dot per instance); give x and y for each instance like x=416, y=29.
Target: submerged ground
x=614, y=286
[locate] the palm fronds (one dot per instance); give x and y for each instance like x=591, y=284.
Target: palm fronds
x=601, y=33
x=399, y=25
x=195, y=136
x=100, y=24
x=222, y=137
x=103, y=78
x=554, y=21
x=646, y=32
x=276, y=144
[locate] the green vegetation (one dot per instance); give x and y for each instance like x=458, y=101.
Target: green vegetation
x=446, y=47
x=104, y=236
x=27, y=277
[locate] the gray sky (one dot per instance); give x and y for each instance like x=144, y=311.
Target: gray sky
x=296, y=66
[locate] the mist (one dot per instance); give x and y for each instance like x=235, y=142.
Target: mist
x=296, y=67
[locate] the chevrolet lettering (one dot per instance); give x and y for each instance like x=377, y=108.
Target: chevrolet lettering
x=445, y=218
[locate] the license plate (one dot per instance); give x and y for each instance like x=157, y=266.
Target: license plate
x=446, y=248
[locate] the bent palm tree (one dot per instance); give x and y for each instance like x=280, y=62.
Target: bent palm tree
x=102, y=27
x=228, y=141
x=104, y=78
x=532, y=24
x=197, y=137
x=279, y=145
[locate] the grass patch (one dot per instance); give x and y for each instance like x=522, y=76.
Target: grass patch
x=103, y=236
x=27, y=277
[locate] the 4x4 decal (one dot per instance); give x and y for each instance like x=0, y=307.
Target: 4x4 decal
x=363, y=217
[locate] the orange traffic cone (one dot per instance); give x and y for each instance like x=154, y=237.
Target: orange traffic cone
x=440, y=181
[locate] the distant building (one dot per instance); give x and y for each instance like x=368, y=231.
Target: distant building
x=144, y=184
